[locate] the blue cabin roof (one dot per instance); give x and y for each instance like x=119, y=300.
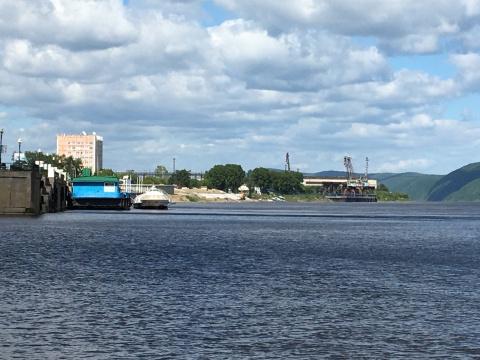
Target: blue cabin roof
x=95, y=179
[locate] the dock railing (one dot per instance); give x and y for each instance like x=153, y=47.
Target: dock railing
x=136, y=189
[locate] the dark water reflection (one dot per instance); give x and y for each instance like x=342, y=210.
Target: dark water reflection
x=243, y=281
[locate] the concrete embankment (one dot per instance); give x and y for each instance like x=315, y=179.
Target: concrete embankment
x=32, y=192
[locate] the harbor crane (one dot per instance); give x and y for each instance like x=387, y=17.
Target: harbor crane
x=347, y=161
x=355, y=187
x=352, y=181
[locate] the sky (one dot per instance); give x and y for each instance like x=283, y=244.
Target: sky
x=245, y=81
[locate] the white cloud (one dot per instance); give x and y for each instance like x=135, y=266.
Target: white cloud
x=405, y=89
x=401, y=26
x=414, y=43
x=158, y=84
x=404, y=165
x=74, y=24
x=471, y=38
x=293, y=62
x=469, y=69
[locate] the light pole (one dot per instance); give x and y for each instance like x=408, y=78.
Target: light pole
x=1, y=146
x=19, y=148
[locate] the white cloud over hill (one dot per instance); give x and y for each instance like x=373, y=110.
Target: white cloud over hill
x=310, y=77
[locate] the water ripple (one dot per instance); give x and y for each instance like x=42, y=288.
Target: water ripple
x=238, y=281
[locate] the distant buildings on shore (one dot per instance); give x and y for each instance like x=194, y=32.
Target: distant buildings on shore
x=88, y=148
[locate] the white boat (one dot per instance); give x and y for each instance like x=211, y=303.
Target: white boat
x=152, y=199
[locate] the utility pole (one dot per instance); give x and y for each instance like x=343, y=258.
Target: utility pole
x=366, y=168
x=174, y=165
x=1, y=146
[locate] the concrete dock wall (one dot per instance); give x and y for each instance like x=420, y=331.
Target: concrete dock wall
x=20, y=192
x=32, y=192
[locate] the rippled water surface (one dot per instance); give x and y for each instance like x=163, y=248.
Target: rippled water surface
x=273, y=281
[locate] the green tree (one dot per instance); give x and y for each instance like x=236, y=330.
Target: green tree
x=382, y=187
x=181, y=178
x=235, y=176
x=287, y=182
x=262, y=178
x=194, y=183
x=32, y=156
x=225, y=177
x=215, y=177
x=161, y=171
x=151, y=180
x=73, y=167
x=106, y=172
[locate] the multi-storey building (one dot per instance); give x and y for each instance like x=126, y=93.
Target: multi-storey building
x=89, y=148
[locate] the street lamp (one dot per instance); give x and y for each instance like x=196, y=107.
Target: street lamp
x=19, y=148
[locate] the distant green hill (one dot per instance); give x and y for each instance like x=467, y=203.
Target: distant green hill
x=416, y=185
x=460, y=185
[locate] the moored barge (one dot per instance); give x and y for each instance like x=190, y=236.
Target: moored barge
x=99, y=192
x=353, y=198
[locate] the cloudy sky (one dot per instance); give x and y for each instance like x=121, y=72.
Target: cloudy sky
x=245, y=81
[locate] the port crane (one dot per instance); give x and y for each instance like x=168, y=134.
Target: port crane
x=360, y=183
x=347, y=161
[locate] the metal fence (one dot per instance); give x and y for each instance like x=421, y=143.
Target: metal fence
x=142, y=188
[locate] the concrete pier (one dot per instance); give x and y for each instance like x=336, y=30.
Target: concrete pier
x=20, y=192
x=32, y=192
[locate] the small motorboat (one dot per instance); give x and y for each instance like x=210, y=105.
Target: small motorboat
x=152, y=199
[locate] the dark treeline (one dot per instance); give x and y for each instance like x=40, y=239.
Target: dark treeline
x=73, y=167
x=228, y=177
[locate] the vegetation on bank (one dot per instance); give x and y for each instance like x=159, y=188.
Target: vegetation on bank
x=228, y=178
x=384, y=194
x=460, y=185
x=73, y=167
x=262, y=183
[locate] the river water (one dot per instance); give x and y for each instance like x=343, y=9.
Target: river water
x=267, y=281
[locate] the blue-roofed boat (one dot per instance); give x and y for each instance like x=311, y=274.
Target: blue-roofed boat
x=99, y=192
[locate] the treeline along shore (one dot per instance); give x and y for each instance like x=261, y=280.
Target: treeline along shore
x=257, y=184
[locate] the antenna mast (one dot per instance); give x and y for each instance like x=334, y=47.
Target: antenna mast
x=287, y=162
x=366, y=168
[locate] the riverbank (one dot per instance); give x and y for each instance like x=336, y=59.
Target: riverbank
x=215, y=195
x=204, y=195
